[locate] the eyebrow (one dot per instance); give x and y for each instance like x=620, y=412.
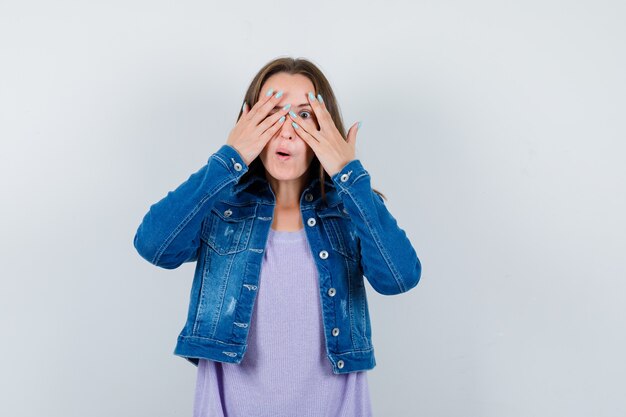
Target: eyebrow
x=294, y=107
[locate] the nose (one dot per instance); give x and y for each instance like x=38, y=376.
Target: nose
x=287, y=130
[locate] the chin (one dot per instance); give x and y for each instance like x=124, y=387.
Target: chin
x=285, y=175
x=284, y=172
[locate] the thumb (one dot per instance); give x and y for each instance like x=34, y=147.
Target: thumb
x=352, y=133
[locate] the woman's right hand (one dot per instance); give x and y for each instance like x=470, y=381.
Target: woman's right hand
x=254, y=129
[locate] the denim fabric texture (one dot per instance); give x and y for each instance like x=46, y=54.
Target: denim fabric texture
x=220, y=219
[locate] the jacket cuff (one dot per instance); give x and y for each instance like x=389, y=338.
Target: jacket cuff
x=349, y=174
x=232, y=161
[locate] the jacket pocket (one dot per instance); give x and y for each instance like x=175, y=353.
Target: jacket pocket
x=340, y=231
x=228, y=227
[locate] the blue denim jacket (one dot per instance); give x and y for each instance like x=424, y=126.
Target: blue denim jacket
x=221, y=221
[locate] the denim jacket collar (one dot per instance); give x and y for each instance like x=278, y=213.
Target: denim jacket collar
x=332, y=199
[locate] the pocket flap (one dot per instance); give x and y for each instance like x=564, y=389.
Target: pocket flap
x=234, y=212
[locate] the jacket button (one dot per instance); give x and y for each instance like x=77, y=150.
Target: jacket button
x=336, y=331
x=237, y=166
x=228, y=213
x=344, y=177
x=308, y=197
x=339, y=364
x=331, y=292
x=323, y=254
x=311, y=221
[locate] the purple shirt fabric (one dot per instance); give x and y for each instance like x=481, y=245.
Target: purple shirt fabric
x=285, y=370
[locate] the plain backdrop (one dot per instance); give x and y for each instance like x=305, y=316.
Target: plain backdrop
x=495, y=128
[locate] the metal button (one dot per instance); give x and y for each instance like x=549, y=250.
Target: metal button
x=323, y=254
x=331, y=292
x=237, y=166
x=336, y=331
x=344, y=210
x=345, y=177
x=228, y=213
x=308, y=197
x=311, y=221
x=339, y=364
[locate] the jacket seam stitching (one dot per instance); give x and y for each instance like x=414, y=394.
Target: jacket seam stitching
x=219, y=158
x=217, y=341
x=352, y=351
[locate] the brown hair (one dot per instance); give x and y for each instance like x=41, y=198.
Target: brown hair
x=320, y=84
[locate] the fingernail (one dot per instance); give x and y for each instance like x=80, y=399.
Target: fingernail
x=319, y=97
x=293, y=114
x=359, y=126
x=269, y=93
x=287, y=106
x=280, y=93
x=294, y=124
x=311, y=96
x=282, y=119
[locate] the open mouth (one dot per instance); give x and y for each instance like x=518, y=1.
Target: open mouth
x=282, y=154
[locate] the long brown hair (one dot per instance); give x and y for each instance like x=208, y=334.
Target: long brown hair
x=320, y=84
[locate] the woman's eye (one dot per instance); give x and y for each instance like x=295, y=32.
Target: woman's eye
x=306, y=112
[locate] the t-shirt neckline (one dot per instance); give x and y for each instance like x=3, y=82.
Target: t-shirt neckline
x=287, y=235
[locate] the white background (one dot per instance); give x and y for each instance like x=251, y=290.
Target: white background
x=495, y=128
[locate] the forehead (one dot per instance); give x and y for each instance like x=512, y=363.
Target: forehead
x=295, y=86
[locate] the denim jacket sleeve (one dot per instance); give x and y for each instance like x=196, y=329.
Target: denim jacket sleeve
x=169, y=233
x=388, y=259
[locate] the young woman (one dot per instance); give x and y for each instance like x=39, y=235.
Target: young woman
x=284, y=226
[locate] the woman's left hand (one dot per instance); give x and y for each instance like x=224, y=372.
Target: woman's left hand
x=331, y=149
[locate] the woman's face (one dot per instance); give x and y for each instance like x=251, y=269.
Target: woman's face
x=295, y=90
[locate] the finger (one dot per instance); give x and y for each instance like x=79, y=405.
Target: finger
x=319, y=108
x=306, y=136
x=269, y=133
x=269, y=104
x=351, y=138
x=272, y=118
x=264, y=97
x=308, y=124
x=244, y=109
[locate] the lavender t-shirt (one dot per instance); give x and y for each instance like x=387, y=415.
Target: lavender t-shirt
x=285, y=370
